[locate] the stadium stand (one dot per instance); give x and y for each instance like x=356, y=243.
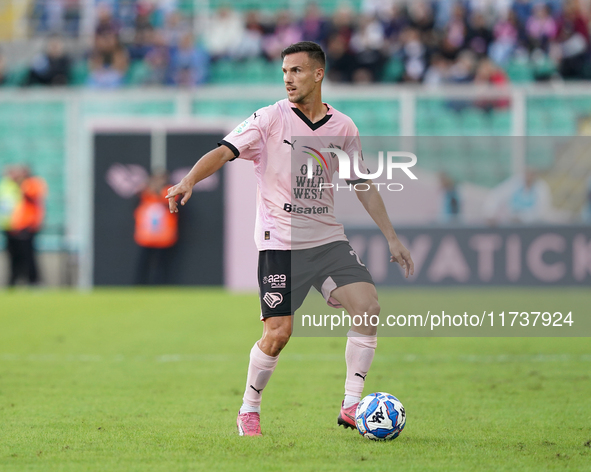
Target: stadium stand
x=367, y=41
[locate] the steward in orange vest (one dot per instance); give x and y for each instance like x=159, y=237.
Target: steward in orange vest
x=24, y=223
x=155, y=225
x=156, y=232
x=29, y=213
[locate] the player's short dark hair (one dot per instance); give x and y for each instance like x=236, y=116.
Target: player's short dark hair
x=314, y=51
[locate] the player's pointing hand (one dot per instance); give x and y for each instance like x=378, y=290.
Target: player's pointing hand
x=402, y=255
x=184, y=189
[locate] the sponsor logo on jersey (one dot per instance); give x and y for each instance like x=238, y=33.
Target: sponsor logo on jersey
x=241, y=127
x=315, y=210
x=272, y=299
x=274, y=279
x=285, y=141
x=319, y=158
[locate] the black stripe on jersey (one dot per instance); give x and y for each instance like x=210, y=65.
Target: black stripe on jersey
x=231, y=146
x=305, y=119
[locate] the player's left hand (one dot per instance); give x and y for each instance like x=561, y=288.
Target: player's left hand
x=401, y=255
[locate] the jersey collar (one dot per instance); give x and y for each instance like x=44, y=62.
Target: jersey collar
x=305, y=119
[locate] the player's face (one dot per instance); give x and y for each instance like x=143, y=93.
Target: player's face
x=301, y=76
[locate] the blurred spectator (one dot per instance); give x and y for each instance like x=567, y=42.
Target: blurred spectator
x=251, y=44
x=520, y=199
x=156, y=232
x=341, y=62
x=488, y=73
x=572, y=50
x=3, y=69
x=105, y=22
x=189, y=63
x=414, y=55
x=479, y=35
x=454, y=35
x=157, y=63
x=450, y=207
x=342, y=24
x=463, y=70
x=10, y=196
x=108, y=62
x=586, y=213
x=378, y=8
x=368, y=43
x=550, y=38
x=507, y=34
x=420, y=15
x=52, y=67
x=26, y=219
x=56, y=16
x=224, y=32
x=286, y=32
x=174, y=28
x=438, y=71
x=314, y=26
x=540, y=27
x=143, y=42
x=523, y=10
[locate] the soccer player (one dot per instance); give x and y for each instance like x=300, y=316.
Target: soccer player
x=305, y=235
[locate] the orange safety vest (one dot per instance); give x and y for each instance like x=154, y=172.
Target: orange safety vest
x=155, y=226
x=30, y=211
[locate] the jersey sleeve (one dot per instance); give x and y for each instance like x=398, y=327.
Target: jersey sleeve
x=247, y=139
x=352, y=146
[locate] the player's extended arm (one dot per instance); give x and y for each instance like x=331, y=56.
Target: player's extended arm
x=374, y=205
x=207, y=165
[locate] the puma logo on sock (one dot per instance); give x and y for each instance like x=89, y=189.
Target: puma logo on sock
x=260, y=390
x=359, y=375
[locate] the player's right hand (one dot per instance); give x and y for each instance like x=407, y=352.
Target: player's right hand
x=183, y=188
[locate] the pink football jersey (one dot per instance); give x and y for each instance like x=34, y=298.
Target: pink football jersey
x=294, y=210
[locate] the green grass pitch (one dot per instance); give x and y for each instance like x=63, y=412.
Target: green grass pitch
x=151, y=380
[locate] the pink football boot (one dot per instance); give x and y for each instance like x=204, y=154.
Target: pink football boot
x=249, y=424
x=347, y=416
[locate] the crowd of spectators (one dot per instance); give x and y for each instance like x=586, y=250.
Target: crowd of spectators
x=431, y=42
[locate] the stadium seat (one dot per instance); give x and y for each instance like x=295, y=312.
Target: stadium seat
x=17, y=76
x=475, y=122
x=222, y=72
x=79, y=73
x=253, y=71
x=137, y=73
x=501, y=122
x=393, y=71
x=519, y=72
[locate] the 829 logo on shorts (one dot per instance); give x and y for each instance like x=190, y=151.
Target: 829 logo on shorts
x=276, y=280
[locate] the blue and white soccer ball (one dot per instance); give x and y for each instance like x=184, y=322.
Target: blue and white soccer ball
x=380, y=416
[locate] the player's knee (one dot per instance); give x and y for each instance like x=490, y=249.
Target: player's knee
x=279, y=340
x=373, y=308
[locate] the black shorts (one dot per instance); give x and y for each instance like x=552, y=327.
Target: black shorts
x=285, y=277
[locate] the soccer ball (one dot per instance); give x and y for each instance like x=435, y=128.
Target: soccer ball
x=380, y=416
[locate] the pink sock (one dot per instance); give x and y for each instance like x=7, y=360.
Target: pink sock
x=359, y=355
x=259, y=372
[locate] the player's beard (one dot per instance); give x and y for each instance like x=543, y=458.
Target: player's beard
x=300, y=97
x=297, y=99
